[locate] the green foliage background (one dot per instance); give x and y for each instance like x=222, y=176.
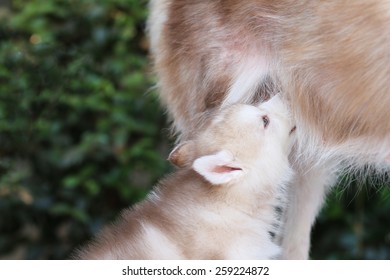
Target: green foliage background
x=82, y=134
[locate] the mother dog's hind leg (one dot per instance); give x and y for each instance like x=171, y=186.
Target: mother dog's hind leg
x=306, y=196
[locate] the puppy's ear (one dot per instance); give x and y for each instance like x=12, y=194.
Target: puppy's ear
x=182, y=154
x=219, y=168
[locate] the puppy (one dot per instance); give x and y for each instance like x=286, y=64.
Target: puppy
x=330, y=59
x=230, y=179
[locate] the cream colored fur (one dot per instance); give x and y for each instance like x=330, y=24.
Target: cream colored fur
x=221, y=202
x=331, y=60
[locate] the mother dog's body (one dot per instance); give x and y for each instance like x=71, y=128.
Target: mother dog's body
x=330, y=58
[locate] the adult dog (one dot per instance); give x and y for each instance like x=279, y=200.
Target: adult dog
x=329, y=59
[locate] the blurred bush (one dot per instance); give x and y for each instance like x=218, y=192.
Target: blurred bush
x=82, y=135
x=80, y=131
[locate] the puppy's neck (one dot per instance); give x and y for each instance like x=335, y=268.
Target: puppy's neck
x=247, y=196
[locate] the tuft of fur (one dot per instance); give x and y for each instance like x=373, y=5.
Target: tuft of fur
x=221, y=189
x=330, y=59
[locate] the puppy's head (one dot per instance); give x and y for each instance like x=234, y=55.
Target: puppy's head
x=239, y=140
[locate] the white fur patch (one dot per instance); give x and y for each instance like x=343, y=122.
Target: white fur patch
x=243, y=248
x=249, y=73
x=158, y=245
x=156, y=21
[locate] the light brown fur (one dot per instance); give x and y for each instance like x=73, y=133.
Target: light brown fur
x=331, y=60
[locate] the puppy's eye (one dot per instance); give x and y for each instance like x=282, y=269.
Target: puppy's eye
x=265, y=121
